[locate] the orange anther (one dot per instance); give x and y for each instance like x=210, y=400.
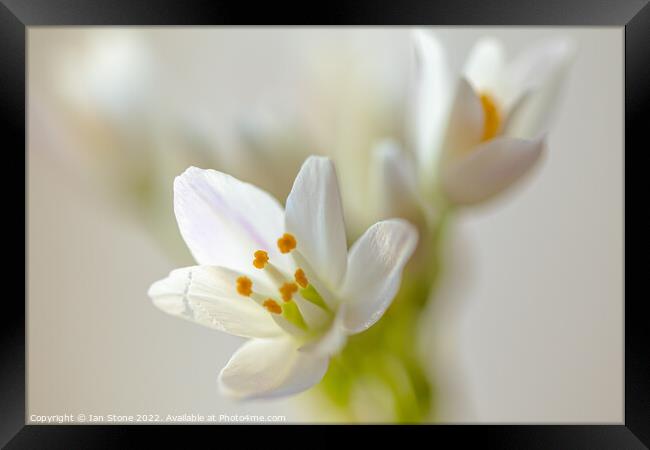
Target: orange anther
x=244, y=286
x=301, y=278
x=261, y=258
x=287, y=290
x=286, y=243
x=272, y=306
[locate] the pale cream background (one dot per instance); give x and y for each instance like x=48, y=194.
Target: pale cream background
x=536, y=330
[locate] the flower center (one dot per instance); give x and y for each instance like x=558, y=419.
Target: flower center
x=491, y=117
x=287, y=287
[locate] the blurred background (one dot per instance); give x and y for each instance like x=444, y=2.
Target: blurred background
x=529, y=326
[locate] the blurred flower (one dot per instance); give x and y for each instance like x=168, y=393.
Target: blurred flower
x=97, y=90
x=283, y=278
x=352, y=96
x=343, y=94
x=471, y=136
x=349, y=96
x=477, y=134
x=263, y=147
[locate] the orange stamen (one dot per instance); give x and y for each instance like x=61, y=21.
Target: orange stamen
x=261, y=258
x=244, y=286
x=301, y=278
x=272, y=306
x=287, y=290
x=286, y=243
x=491, y=117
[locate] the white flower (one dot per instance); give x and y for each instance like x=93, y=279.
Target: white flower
x=283, y=278
x=476, y=134
x=352, y=95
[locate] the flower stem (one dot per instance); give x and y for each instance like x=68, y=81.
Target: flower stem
x=379, y=375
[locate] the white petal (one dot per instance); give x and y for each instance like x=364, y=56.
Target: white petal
x=264, y=368
x=465, y=126
x=374, y=272
x=395, y=183
x=332, y=341
x=315, y=217
x=430, y=99
x=315, y=316
x=489, y=169
x=538, y=75
x=509, y=127
x=224, y=220
x=208, y=296
x=288, y=326
x=538, y=63
x=485, y=64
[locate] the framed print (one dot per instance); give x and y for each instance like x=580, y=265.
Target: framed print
x=403, y=215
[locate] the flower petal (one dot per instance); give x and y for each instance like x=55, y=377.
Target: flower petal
x=264, y=368
x=465, y=126
x=315, y=317
x=332, y=340
x=538, y=63
x=395, y=183
x=224, y=220
x=489, y=169
x=207, y=295
x=430, y=98
x=485, y=64
x=315, y=217
x=538, y=75
x=374, y=272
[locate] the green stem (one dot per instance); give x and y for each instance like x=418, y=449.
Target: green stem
x=387, y=352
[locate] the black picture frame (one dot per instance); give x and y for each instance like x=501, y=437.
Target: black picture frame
x=633, y=15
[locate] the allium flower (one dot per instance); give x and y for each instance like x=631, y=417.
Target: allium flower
x=476, y=134
x=283, y=278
